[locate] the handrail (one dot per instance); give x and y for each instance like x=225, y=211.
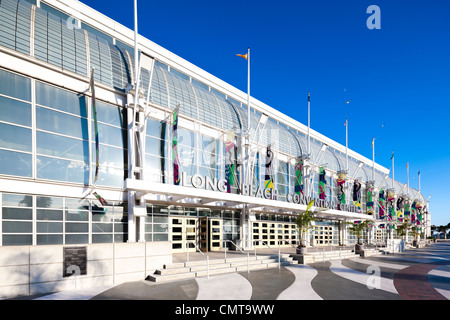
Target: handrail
x=198, y=249
x=240, y=249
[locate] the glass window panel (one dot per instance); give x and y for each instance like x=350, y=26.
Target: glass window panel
x=77, y=215
x=62, y=170
x=76, y=238
x=64, y=147
x=17, y=200
x=48, y=239
x=60, y=99
x=76, y=227
x=110, y=114
x=49, y=227
x=110, y=135
x=109, y=176
x=15, y=86
x=157, y=129
x=16, y=227
x=155, y=147
x=17, y=214
x=17, y=240
x=55, y=215
x=160, y=237
x=59, y=122
x=102, y=227
x=15, y=111
x=13, y=137
x=186, y=137
x=49, y=202
x=15, y=163
x=102, y=238
x=110, y=156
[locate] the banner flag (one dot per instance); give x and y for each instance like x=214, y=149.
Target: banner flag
x=299, y=176
x=357, y=194
x=245, y=56
x=400, y=207
x=407, y=209
x=100, y=198
x=370, y=202
x=94, y=110
x=322, y=183
x=230, y=156
x=269, y=184
x=382, y=204
x=419, y=207
x=175, y=158
x=340, y=184
x=391, y=205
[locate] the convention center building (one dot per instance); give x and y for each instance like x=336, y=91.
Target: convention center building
x=92, y=167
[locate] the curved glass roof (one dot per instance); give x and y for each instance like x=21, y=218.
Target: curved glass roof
x=80, y=49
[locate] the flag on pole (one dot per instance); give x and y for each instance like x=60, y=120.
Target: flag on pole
x=230, y=167
x=340, y=184
x=373, y=142
x=175, y=158
x=392, y=156
x=269, y=169
x=94, y=110
x=381, y=203
x=345, y=124
x=357, y=194
x=100, y=198
x=299, y=176
x=322, y=183
x=245, y=56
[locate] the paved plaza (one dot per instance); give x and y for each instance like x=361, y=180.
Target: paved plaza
x=414, y=274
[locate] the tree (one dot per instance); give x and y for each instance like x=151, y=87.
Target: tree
x=401, y=230
x=303, y=223
x=358, y=228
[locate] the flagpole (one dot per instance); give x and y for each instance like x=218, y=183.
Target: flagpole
x=346, y=145
x=407, y=173
x=248, y=91
x=393, y=169
x=373, y=160
x=419, y=181
x=309, y=123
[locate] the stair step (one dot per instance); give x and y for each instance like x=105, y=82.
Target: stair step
x=204, y=273
x=211, y=267
x=164, y=272
x=171, y=277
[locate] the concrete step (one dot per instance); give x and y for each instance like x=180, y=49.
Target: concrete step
x=165, y=272
x=170, y=277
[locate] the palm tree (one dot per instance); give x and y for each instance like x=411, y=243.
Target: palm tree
x=401, y=230
x=357, y=229
x=303, y=223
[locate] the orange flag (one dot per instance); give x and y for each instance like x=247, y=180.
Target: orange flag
x=243, y=56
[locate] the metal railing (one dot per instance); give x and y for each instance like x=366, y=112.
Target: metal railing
x=240, y=249
x=197, y=249
x=265, y=244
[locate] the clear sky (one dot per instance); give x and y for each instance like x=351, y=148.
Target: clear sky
x=397, y=77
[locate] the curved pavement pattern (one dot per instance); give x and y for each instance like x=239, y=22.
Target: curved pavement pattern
x=415, y=274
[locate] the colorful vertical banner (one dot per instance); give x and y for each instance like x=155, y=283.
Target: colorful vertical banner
x=342, y=176
x=391, y=205
x=419, y=207
x=407, y=209
x=175, y=158
x=230, y=156
x=94, y=111
x=299, y=176
x=269, y=183
x=357, y=194
x=381, y=204
x=400, y=207
x=322, y=183
x=370, y=202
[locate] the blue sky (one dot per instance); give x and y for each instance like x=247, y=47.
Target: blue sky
x=397, y=77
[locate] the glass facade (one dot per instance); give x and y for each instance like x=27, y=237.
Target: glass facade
x=47, y=135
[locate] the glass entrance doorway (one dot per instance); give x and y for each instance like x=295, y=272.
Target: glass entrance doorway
x=210, y=234
x=184, y=234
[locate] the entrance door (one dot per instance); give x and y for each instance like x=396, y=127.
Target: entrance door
x=323, y=235
x=184, y=234
x=215, y=234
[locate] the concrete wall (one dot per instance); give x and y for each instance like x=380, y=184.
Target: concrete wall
x=28, y=270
